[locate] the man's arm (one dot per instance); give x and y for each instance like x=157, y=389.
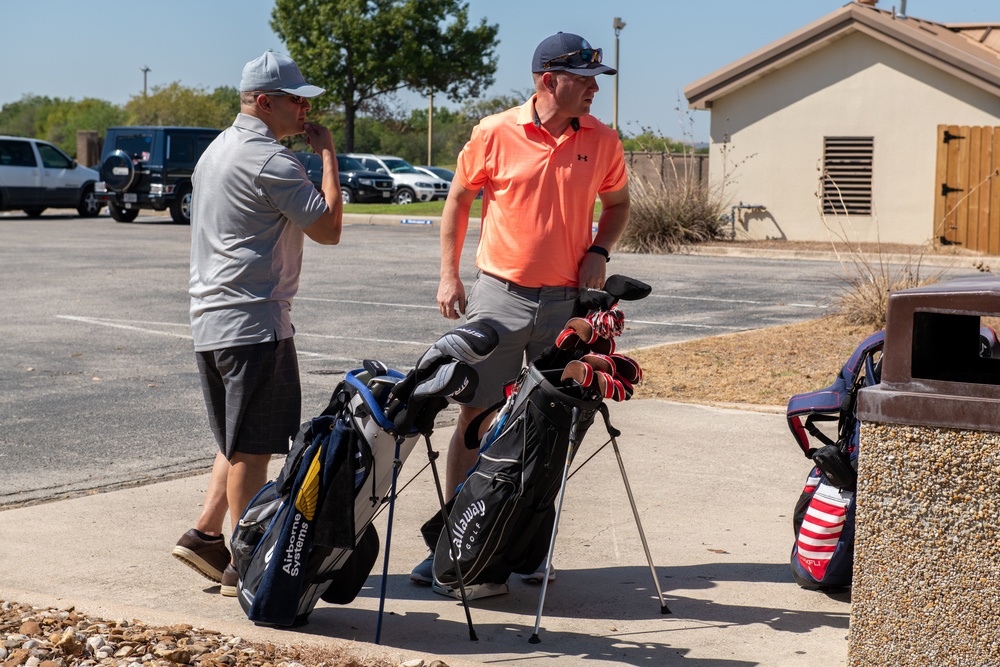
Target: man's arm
x=454, y=225
x=326, y=230
x=610, y=227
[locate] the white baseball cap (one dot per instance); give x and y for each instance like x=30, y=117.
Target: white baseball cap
x=274, y=71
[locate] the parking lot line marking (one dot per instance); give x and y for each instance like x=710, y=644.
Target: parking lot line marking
x=685, y=324
x=364, y=303
x=366, y=340
x=715, y=298
x=118, y=324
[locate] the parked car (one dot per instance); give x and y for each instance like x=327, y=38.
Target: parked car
x=411, y=185
x=151, y=167
x=440, y=172
x=356, y=183
x=36, y=175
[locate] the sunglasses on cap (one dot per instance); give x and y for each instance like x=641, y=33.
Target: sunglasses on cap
x=588, y=56
x=296, y=99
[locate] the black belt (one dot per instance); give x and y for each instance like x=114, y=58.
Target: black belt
x=509, y=284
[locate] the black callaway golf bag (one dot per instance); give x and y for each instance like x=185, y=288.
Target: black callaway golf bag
x=308, y=534
x=505, y=516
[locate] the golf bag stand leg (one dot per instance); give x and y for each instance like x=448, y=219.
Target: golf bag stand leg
x=396, y=465
x=432, y=458
x=614, y=433
x=574, y=441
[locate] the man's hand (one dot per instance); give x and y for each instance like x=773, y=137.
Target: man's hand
x=592, y=271
x=319, y=138
x=451, y=298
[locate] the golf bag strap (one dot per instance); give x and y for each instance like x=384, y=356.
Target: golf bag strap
x=472, y=440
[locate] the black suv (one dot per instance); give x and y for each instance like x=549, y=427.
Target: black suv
x=150, y=167
x=356, y=183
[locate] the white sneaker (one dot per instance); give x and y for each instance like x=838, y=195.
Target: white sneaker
x=472, y=592
x=537, y=576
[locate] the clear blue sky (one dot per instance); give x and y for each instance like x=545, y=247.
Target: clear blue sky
x=73, y=49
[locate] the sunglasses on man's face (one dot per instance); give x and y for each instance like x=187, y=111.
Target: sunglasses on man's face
x=588, y=56
x=296, y=99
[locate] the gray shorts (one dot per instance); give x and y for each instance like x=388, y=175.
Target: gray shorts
x=528, y=320
x=253, y=396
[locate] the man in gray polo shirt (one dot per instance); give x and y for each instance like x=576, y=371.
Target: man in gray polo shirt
x=252, y=208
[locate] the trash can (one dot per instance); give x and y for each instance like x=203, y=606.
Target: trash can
x=926, y=585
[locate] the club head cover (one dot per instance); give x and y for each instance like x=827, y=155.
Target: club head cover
x=626, y=368
x=625, y=288
x=608, y=323
x=590, y=299
x=579, y=335
x=374, y=367
x=579, y=372
x=471, y=342
x=599, y=362
x=453, y=379
x=611, y=387
x=624, y=389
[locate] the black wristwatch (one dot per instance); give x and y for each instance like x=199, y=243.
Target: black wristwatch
x=603, y=252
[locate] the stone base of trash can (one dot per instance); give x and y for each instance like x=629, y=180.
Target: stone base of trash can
x=927, y=553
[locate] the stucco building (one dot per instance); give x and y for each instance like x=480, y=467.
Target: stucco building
x=842, y=127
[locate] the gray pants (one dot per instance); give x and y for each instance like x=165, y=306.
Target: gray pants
x=528, y=320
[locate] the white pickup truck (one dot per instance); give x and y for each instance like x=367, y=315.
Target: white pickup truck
x=35, y=175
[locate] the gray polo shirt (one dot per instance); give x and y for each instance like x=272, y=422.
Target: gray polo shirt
x=251, y=201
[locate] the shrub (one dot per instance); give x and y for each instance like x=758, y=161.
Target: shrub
x=870, y=276
x=665, y=217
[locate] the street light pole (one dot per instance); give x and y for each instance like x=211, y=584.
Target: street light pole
x=617, y=25
x=430, y=123
x=145, y=70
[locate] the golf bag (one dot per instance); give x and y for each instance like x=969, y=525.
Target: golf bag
x=823, y=521
x=308, y=535
x=503, y=515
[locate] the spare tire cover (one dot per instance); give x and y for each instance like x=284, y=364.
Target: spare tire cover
x=117, y=171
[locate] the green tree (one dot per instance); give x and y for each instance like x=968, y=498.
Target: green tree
x=360, y=50
x=63, y=119
x=175, y=104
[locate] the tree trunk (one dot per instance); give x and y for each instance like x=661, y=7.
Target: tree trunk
x=349, y=112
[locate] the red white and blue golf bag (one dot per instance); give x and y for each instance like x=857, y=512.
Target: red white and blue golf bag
x=308, y=535
x=823, y=521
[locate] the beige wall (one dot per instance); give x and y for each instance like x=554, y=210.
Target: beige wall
x=767, y=139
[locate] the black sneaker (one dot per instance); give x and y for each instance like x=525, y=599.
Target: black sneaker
x=230, y=577
x=208, y=557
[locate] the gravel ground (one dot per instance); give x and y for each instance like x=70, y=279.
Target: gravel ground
x=44, y=637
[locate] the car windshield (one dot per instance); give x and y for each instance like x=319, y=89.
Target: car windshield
x=138, y=146
x=345, y=163
x=400, y=167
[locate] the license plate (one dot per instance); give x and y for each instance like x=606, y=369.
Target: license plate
x=130, y=197
x=386, y=194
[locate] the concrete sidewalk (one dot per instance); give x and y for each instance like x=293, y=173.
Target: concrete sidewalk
x=715, y=488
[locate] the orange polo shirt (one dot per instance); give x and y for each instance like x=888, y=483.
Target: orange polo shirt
x=538, y=203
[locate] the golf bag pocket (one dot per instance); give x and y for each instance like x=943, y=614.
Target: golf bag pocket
x=836, y=465
x=823, y=553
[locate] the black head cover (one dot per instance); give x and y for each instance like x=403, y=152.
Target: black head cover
x=616, y=287
x=625, y=288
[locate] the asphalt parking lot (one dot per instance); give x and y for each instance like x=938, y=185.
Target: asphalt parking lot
x=99, y=387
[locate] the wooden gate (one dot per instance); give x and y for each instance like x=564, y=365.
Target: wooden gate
x=967, y=187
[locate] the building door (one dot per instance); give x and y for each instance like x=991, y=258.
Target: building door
x=967, y=187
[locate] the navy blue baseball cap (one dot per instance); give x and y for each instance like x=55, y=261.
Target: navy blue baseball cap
x=566, y=52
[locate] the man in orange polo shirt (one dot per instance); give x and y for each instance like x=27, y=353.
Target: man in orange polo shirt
x=542, y=166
